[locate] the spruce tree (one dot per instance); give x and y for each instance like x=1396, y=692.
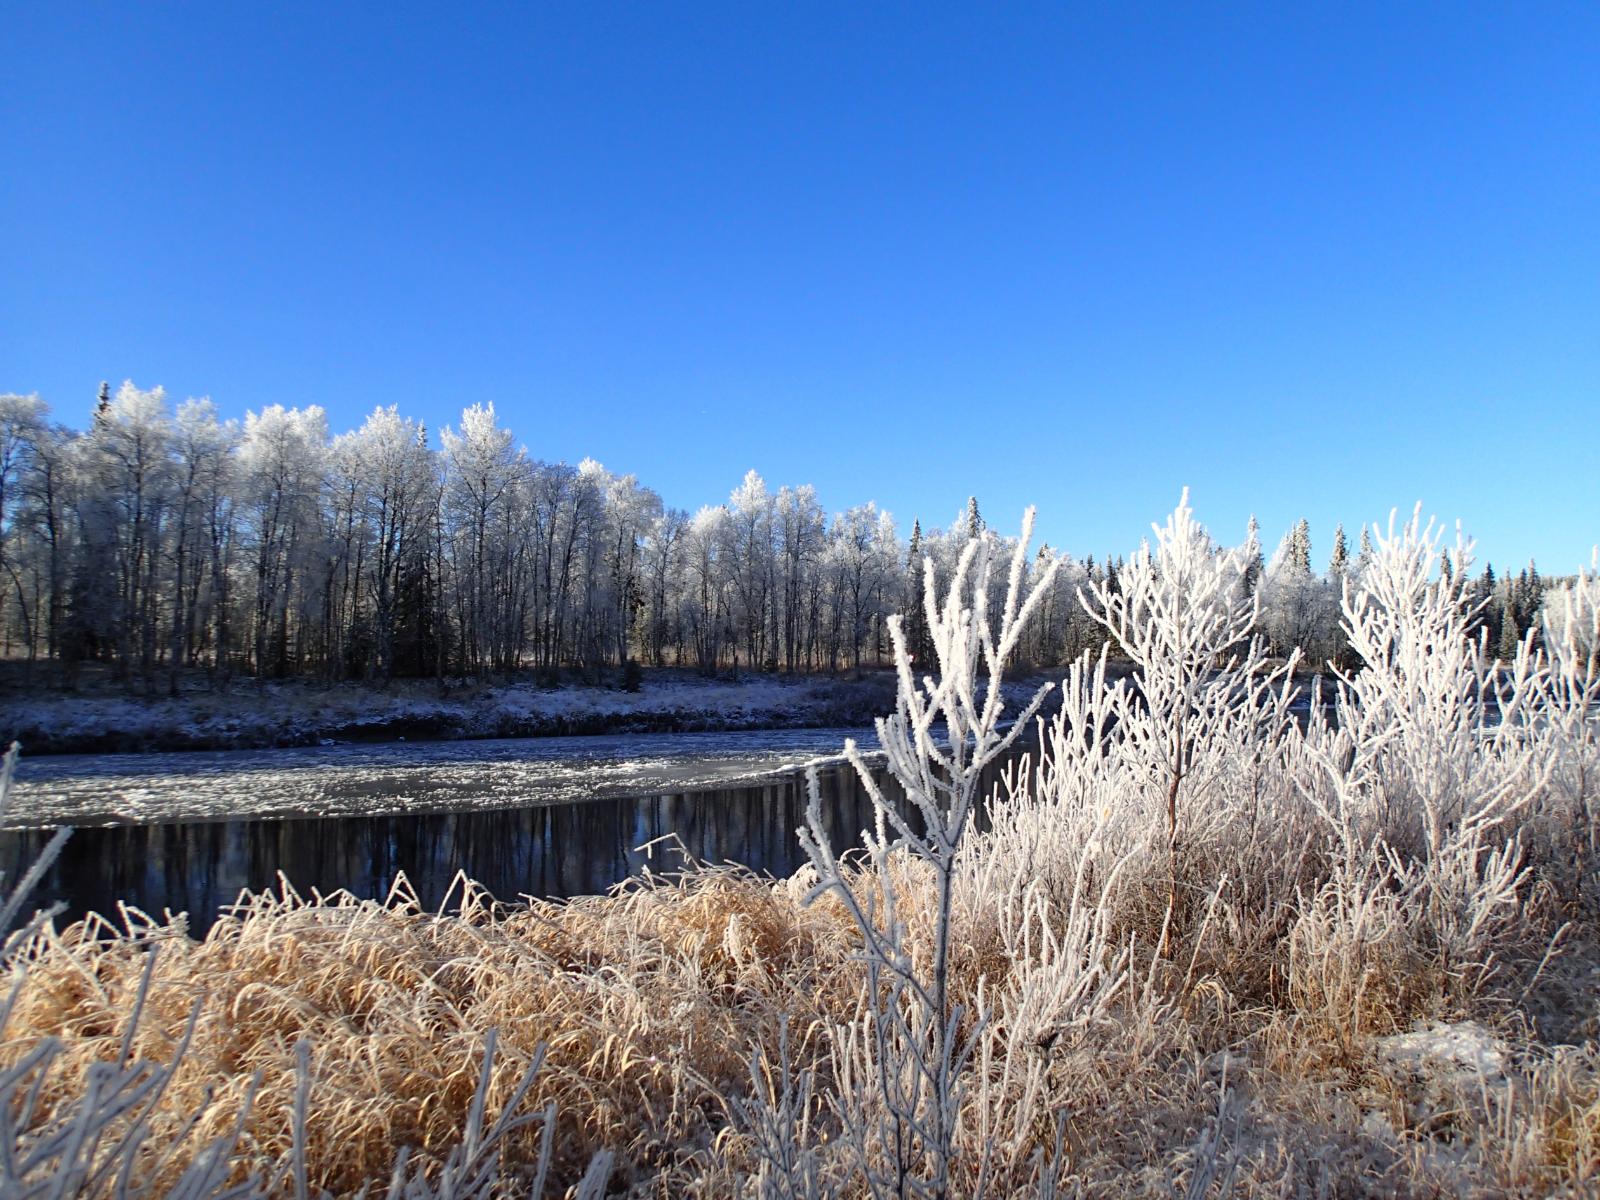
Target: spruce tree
x=1300, y=547
x=1253, y=564
x=916, y=619
x=1530, y=599
x=1484, y=614
x=1339, y=562
x=1044, y=635
x=974, y=520
x=1508, y=632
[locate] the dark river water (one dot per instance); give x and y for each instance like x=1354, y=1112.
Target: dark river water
x=532, y=817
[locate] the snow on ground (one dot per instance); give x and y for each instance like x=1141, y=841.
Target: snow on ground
x=251, y=715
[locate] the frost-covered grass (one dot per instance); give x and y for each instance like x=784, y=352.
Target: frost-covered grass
x=250, y=715
x=1199, y=948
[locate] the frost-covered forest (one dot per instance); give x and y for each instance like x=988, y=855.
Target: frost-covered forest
x=159, y=540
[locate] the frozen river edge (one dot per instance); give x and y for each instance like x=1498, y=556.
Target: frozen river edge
x=371, y=780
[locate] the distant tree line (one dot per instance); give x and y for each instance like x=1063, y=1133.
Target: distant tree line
x=160, y=540
x=1300, y=607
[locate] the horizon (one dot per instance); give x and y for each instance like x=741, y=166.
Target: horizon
x=1316, y=268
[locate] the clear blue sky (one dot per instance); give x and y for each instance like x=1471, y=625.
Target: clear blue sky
x=1313, y=263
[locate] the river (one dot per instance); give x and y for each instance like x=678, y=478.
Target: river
x=542, y=817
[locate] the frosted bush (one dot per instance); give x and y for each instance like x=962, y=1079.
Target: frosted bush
x=914, y=1038
x=1206, y=716
x=1184, y=821
x=1572, y=700
x=1432, y=755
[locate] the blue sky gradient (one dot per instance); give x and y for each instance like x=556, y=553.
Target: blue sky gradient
x=1319, y=262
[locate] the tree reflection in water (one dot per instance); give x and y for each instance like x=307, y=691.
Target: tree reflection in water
x=554, y=850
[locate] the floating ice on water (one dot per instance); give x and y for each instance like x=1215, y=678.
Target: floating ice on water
x=339, y=780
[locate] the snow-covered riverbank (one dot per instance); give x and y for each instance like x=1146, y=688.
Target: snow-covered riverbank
x=256, y=716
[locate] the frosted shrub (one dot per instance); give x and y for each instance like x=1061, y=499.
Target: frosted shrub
x=1183, y=835
x=1029, y=912
x=1433, y=753
x=1571, y=716
x=902, y=1065
x=1206, y=717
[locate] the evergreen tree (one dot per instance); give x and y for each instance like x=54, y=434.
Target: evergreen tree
x=1364, y=555
x=974, y=522
x=1487, y=615
x=416, y=633
x=1508, y=631
x=916, y=617
x=1254, y=566
x=1300, y=547
x=1529, y=597
x=1044, y=637
x=1339, y=562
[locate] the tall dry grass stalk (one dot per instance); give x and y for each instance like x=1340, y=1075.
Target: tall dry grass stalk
x=1164, y=957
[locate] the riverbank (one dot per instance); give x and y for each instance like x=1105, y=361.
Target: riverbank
x=252, y=716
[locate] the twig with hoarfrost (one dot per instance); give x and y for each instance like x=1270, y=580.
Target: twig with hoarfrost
x=779, y=1121
x=912, y=1046
x=1572, y=708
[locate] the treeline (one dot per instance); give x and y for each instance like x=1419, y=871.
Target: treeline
x=1300, y=607
x=158, y=541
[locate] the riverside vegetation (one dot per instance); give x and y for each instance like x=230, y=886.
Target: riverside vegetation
x=1195, y=946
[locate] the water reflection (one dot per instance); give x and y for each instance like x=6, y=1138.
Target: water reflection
x=553, y=850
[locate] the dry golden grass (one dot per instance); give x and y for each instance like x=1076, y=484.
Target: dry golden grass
x=1254, y=1032
x=648, y=1002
